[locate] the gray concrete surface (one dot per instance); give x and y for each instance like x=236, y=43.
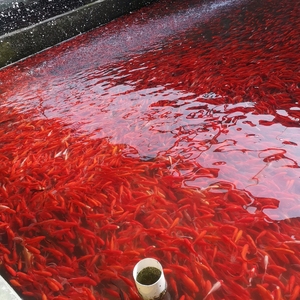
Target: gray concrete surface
x=6, y=291
x=24, y=42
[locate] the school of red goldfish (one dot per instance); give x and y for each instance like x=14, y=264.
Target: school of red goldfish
x=77, y=213
x=80, y=205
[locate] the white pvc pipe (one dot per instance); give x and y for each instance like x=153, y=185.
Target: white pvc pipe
x=152, y=291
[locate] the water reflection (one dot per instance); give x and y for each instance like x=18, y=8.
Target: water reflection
x=249, y=148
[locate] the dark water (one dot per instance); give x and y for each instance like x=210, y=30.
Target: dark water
x=204, y=98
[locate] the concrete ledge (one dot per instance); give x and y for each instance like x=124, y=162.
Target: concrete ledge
x=24, y=42
x=6, y=291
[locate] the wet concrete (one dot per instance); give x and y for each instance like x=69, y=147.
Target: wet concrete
x=20, y=14
x=31, y=26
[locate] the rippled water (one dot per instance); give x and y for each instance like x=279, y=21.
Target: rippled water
x=196, y=82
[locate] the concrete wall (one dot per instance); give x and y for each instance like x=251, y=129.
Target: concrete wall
x=9, y=3
x=22, y=42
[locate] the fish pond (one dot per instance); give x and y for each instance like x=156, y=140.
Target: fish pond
x=172, y=132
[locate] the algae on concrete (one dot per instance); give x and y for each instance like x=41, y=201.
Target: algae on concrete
x=7, y=53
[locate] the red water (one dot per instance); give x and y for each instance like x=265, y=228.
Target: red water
x=172, y=133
